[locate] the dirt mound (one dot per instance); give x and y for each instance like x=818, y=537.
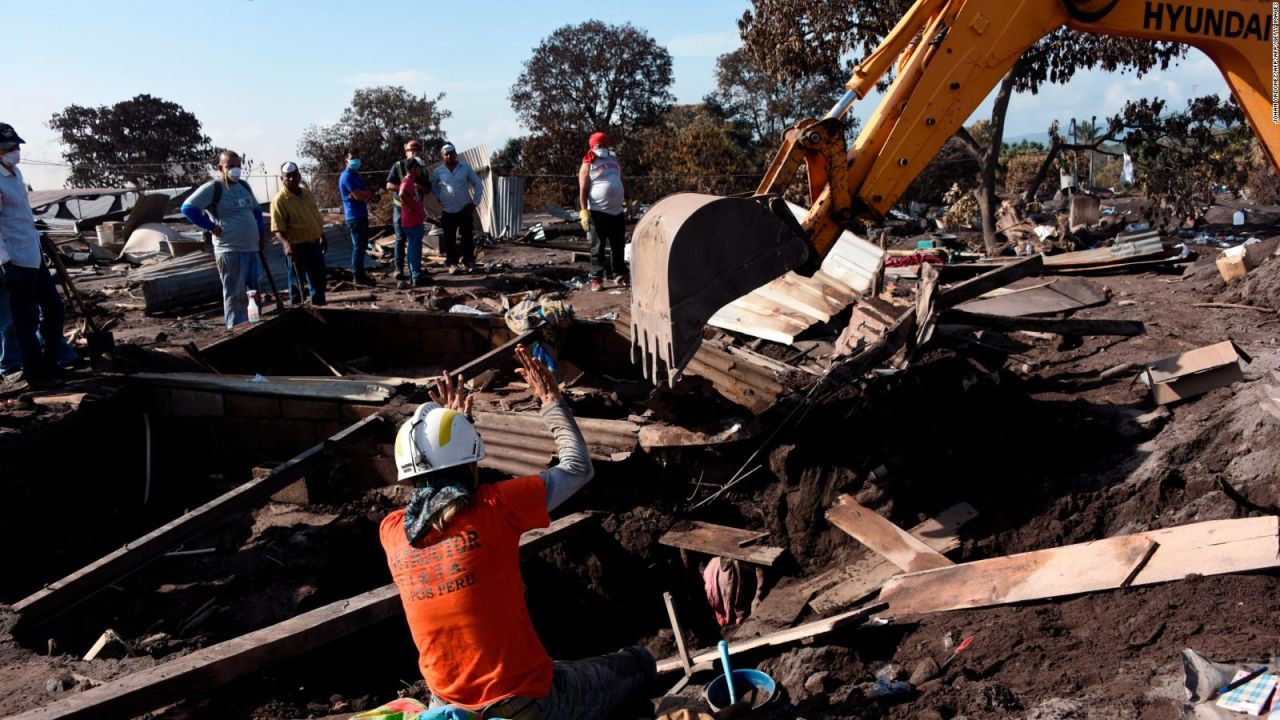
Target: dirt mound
x=1260, y=287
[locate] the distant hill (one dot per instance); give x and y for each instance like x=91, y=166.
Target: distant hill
x=1042, y=138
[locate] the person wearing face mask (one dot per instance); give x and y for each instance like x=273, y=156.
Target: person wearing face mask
x=355, y=206
x=299, y=228
x=227, y=208
x=396, y=176
x=34, y=303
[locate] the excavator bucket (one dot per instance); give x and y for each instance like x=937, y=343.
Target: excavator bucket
x=693, y=254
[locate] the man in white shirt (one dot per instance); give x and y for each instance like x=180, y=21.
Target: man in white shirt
x=602, y=200
x=33, y=298
x=459, y=191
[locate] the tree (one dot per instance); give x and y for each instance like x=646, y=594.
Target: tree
x=588, y=77
x=1182, y=157
x=765, y=107
x=693, y=149
x=510, y=159
x=799, y=38
x=379, y=121
x=144, y=141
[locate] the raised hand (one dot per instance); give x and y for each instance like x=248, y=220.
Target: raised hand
x=451, y=393
x=541, y=381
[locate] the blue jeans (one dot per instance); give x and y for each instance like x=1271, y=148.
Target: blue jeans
x=587, y=689
x=307, y=265
x=413, y=238
x=359, y=229
x=239, y=272
x=10, y=356
x=37, y=312
x=400, y=238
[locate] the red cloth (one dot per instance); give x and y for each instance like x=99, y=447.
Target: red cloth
x=729, y=592
x=464, y=599
x=412, y=213
x=914, y=259
x=598, y=139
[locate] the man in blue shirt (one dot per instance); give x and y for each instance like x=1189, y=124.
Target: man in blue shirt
x=227, y=208
x=33, y=299
x=459, y=191
x=355, y=206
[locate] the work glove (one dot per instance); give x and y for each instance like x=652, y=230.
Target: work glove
x=584, y=217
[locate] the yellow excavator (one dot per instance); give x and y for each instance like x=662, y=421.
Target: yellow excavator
x=692, y=254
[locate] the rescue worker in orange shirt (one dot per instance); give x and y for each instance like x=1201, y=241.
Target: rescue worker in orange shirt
x=454, y=555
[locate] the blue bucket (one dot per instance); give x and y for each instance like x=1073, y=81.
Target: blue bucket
x=751, y=685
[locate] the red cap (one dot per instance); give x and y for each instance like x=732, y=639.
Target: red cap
x=598, y=139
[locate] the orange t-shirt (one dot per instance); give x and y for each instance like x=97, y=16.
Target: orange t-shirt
x=464, y=597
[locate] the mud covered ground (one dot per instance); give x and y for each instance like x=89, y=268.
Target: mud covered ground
x=1046, y=450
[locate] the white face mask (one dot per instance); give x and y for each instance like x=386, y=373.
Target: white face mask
x=13, y=156
x=233, y=173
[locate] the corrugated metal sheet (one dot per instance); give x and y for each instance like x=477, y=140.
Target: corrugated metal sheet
x=521, y=444
x=508, y=206
x=1127, y=247
x=744, y=380
x=789, y=305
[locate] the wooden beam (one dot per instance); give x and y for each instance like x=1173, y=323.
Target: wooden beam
x=782, y=637
x=496, y=356
x=678, y=631
x=1001, y=276
x=219, y=664
x=1061, y=326
x=83, y=583
x=349, y=390
x=883, y=537
x=1068, y=570
x=858, y=580
x=1215, y=547
x=723, y=541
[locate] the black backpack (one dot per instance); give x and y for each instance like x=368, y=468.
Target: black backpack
x=217, y=196
x=213, y=208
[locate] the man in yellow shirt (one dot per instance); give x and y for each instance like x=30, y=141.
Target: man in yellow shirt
x=298, y=227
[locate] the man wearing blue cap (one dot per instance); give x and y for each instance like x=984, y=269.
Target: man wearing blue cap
x=33, y=299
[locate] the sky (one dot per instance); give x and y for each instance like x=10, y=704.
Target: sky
x=258, y=72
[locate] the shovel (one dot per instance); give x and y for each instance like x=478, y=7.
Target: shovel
x=100, y=341
x=262, y=256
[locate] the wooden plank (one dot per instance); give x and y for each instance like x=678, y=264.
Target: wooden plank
x=1061, y=326
x=1068, y=570
x=883, y=537
x=495, y=357
x=723, y=541
x=782, y=637
x=88, y=580
x=858, y=580
x=678, y=632
x=323, y=388
x=1215, y=547
x=219, y=664
x=999, y=277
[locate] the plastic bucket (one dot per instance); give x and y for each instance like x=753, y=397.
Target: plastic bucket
x=752, y=685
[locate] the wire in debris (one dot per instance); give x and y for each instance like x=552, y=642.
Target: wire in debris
x=742, y=472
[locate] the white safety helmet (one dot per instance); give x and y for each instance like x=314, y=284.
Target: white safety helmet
x=433, y=439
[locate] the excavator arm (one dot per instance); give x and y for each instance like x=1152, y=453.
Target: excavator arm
x=693, y=254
